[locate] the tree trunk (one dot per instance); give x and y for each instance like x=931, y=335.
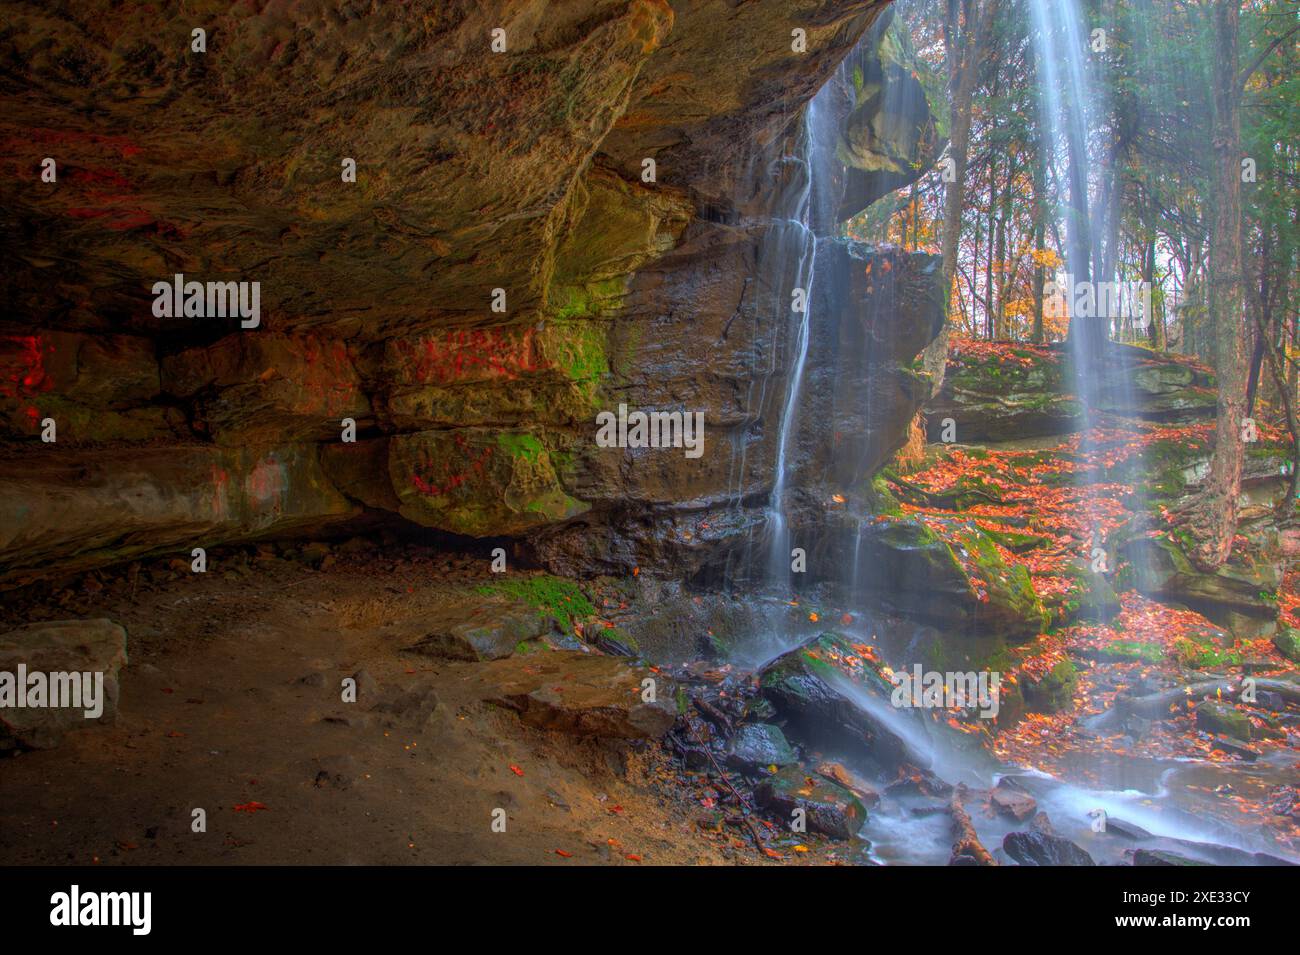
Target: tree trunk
x=964, y=60
x=1218, y=509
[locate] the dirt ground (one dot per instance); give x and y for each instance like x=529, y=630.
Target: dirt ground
x=231, y=703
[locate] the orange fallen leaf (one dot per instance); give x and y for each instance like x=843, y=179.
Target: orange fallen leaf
x=516, y=770
x=566, y=855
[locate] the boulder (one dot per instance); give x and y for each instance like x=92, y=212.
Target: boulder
x=828, y=691
x=1014, y=803
x=477, y=482
x=947, y=572
x=1162, y=857
x=1239, y=595
x=489, y=630
x=55, y=658
x=1004, y=394
x=1222, y=717
x=1053, y=691
x=828, y=807
x=582, y=694
x=756, y=746
x=1044, y=848
x=1287, y=641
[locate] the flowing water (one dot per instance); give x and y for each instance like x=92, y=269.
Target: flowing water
x=1172, y=800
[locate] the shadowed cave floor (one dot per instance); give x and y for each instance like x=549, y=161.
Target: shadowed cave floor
x=231, y=699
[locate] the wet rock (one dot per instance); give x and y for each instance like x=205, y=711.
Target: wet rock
x=1237, y=748
x=582, y=694
x=485, y=631
x=1125, y=830
x=829, y=808
x=526, y=177
x=1223, y=718
x=1011, y=802
x=889, y=138
x=1162, y=857
x=1053, y=691
x=1238, y=596
x=756, y=746
x=837, y=773
x=822, y=688
x=47, y=652
x=1042, y=848
x=947, y=572
x=912, y=781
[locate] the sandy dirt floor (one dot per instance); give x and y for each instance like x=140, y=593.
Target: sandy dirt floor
x=231, y=703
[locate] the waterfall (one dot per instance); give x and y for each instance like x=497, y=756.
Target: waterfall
x=795, y=232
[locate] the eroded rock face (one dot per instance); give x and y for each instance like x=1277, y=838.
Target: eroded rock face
x=520, y=171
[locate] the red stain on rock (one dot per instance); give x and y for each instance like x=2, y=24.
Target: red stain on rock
x=22, y=366
x=444, y=480
x=473, y=355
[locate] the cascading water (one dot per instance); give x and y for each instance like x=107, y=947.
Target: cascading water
x=1155, y=795
x=795, y=228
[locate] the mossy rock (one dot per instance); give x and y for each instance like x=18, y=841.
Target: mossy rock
x=1287, y=641
x=1241, y=595
x=477, y=482
x=757, y=746
x=1125, y=651
x=957, y=581
x=1054, y=692
x=1214, y=717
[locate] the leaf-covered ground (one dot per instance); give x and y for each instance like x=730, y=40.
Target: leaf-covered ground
x=1049, y=504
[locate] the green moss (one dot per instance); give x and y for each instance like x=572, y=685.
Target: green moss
x=554, y=596
x=524, y=446
x=1132, y=650
x=1198, y=656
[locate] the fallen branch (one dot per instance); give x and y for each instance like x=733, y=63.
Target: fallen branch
x=966, y=846
x=745, y=808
